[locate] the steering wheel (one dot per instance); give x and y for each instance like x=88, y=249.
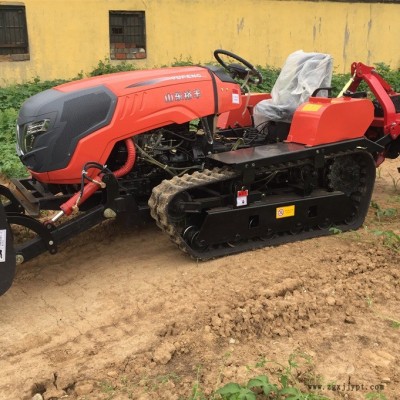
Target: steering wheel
x=241, y=70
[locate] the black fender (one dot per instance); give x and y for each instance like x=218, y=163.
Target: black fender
x=7, y=253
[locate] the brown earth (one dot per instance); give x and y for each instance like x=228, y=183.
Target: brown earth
x=122, y=314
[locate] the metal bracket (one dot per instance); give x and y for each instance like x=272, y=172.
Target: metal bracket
x=37, y=227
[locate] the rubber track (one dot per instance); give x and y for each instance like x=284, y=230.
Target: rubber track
x=168, y=189
x=163, y=194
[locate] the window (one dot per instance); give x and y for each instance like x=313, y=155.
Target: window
x=13, y=34
x=127, y=35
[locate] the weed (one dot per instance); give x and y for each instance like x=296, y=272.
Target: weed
x=375, y=396
x=369, y=301
x=126, y=385
x=394, y=323
x=390, y=75
x=197, y=393
x=383, y=212
x=395, y=182
x=390, y=239
x=106, y=67
x=261, y=362
x=335, y=231
x=14, y=95
x=9, y=162
x=233, y=391
x=107, y=388
x=270, y=75
x=182, y=62
x=167, y=378
x=260, y=387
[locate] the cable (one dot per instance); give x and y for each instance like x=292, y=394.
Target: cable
x=165, y=167
x=179, y=136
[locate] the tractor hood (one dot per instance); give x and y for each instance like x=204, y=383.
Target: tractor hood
x=123, y=83
x=51, y=123
x=104, y=109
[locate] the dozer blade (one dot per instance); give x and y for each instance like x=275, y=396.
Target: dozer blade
x=7, y=253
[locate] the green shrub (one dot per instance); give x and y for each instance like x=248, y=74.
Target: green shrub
x=10, y=165
x=180, y=62
x=105, y=67
x=270, y=75
x=14, y=95
x=392, y=76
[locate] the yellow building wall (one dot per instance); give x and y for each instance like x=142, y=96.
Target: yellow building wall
x=70, y=36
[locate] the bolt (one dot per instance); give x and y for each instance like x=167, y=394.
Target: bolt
x=51, y=242
x=109, y=213
x=19, y=259
x=253, y=164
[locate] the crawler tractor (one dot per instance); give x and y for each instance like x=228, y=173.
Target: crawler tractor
x=220, y=169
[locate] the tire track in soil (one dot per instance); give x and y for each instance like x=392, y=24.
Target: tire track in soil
x=309, y=300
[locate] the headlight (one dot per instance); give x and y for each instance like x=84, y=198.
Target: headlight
x=30, y=131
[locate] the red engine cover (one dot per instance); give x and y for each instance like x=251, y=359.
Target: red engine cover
x=146, y=100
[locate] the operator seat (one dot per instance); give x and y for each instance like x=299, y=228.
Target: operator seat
x=300, y=76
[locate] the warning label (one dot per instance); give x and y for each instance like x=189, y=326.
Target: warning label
x=241, y=198
x=284, y=212
x=235, y=96
x=311, y=107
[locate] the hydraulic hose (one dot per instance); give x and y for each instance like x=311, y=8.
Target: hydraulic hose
x=130, y=161
x=91, y=187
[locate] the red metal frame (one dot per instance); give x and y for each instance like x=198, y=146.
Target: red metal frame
x=322, y=121
x=382, y=91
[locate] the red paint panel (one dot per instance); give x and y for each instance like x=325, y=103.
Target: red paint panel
x=241, y=116
x=322, y=121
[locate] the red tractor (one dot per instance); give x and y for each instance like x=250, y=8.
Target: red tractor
x=181, y=145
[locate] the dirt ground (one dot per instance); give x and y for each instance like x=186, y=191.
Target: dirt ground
x=120, y=314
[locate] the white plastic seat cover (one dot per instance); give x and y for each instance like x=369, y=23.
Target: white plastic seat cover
x=301, y=74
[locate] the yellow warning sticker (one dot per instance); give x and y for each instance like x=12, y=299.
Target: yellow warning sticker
x=284, y=212
x=311, y=107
